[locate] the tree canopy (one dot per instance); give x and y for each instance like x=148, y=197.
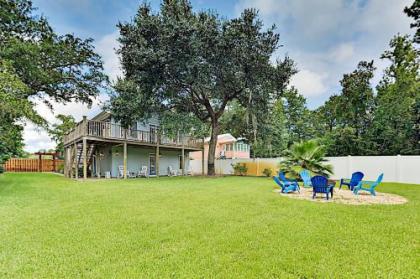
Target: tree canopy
x=396, y=127
x=55, y=67
x=414, y=12
x=39, y=65
x=346, y=118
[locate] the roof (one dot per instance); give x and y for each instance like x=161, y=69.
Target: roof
x=223, y=138
x=101, y=116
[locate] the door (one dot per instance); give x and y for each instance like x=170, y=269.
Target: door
x=94, y=167
x=152, y=164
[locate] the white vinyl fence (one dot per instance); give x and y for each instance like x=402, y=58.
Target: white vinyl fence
x=404, y=169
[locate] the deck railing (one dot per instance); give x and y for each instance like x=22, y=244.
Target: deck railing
x=108, y=130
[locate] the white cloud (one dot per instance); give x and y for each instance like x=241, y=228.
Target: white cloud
x=327, y=38
x=36, y=139
x=309, y=83
x=343, y=52
x=106, y=47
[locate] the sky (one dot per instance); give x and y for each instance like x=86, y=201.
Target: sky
x=326, y=38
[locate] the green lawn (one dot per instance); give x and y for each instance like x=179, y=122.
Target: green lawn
x=198, y=228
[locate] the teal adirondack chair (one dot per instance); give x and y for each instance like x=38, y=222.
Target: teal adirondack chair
x=370, y=185
x=306, y=178
x=286, y=188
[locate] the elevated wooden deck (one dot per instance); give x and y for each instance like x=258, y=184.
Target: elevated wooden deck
x=114, y=133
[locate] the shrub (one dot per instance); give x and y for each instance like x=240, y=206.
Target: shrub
x=267, y=172
x=60, y=168
x=1, y=169
x=240, y=169
x=308, y=155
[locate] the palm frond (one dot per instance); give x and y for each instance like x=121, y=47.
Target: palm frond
x=308, y=155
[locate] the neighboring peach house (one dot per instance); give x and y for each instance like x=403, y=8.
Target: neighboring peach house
x=228, y=147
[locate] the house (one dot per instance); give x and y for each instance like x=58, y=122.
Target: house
x=101, y=147
x=227, y=147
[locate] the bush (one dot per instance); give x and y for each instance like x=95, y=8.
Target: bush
x=267, y=172
x=239, y=169
x=60, y=168
x=1, y=169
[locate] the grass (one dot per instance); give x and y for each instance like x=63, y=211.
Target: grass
x=232, y=227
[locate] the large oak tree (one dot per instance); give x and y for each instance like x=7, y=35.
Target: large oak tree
x=37, y=64
x=197, y=63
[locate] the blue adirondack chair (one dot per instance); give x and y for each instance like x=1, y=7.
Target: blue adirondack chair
x=286, y=181
x=370, y=185
x=286, y=188
x=320, y=185
x=306, y=178
x=356, y=177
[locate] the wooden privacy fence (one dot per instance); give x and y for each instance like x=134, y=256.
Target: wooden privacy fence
x=32, y=165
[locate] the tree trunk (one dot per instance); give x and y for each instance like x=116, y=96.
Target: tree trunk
x=212, y=148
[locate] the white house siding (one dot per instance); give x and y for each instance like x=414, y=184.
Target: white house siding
x=143, y=125
x=137, y=157
x=105, y=159
x=171, y=158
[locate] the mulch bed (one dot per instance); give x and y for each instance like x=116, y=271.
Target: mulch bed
x=346, y=196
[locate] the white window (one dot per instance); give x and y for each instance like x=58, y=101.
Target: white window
x=240, y=146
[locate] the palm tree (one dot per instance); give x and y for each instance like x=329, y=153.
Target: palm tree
x=308, y=155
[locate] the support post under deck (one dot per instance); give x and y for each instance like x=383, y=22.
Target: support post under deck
x=157, y=156
x=125, y=160
x=65, y=161
x=76, y=162
x=70, y=161
x=202, y=159
x=84, y=150
x=183, y=160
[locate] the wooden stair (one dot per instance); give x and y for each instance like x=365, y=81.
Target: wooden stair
x=77, y=161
